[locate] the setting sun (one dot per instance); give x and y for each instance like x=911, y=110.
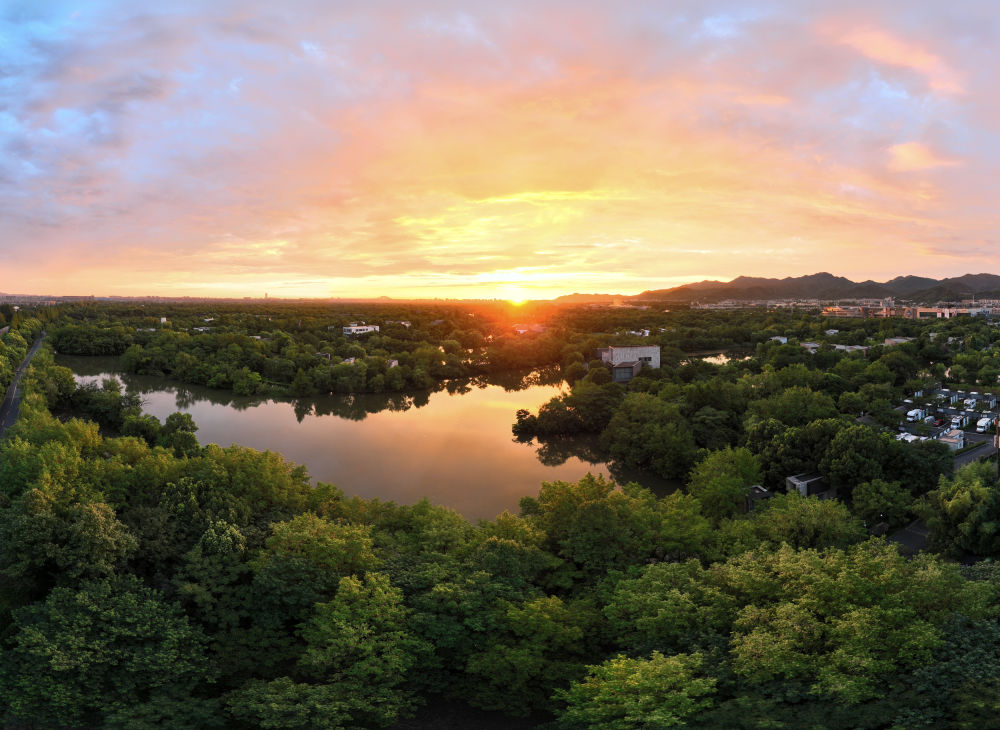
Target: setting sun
x=329, y=163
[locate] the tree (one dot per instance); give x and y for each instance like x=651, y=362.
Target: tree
x=963, y=513
x=88, y=653
x=802, y=522
x=648, y=433
x=178, y=434
x=839, y=620
x=795, y=406
x=714, y=429
x=574, y=371
x=856, y=454
x=304, y=560
x=594, y=525
x=638, y=694
x=358, y=644
x=539, y=646
x=721, y=481
x=882, y=501
x=671, y=607
x=44, y=541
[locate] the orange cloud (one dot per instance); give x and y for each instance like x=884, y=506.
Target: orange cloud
x=912, y=156
x=495, y=150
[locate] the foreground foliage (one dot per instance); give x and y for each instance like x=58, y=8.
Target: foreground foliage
x=147, y=581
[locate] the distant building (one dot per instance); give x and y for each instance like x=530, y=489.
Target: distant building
x=851, y=348
x=755, y=496
x=360, y=329
x=401, y=322
x=393, y=364
x=954, y=438
x=890, y=341
x=779, y=338
x=522, y=329
x=627, y=361
x=844, y=312
x=810, y=485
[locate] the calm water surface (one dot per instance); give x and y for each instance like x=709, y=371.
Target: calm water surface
x=453, y=447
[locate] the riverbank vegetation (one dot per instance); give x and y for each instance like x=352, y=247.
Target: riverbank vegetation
x=17, y=332
x=150, y=582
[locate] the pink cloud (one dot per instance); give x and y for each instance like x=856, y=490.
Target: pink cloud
x=913, y=156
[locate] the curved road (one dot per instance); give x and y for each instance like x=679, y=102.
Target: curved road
x=12, y=400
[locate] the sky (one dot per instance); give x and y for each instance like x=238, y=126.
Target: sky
x=515, y=149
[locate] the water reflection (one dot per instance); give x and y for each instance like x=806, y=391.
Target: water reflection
x=452, y=445
x=557, y=450
x=353, y=407
x=722, y=357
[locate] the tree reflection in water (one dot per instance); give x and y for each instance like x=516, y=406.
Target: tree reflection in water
x=350, y=406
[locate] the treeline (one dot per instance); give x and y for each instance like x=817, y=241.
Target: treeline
x=21, y=331
x=302, y=350
x=150, y=582
x=299, y=349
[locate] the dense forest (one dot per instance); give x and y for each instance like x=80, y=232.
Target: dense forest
x=298, y=350
x=148, y=581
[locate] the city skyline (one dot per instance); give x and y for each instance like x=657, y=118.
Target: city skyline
x=467, y=150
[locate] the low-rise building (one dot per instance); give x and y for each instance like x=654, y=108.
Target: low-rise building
x=360, y=329
x=627, y=360
x=954, y=438
x=756, y=496
x=522, y=329
x=844, y=312
x=810, y=485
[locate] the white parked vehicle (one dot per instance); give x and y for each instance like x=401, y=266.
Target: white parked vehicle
x=982, y=424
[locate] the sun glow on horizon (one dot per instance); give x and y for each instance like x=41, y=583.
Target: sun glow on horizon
x=513, y=153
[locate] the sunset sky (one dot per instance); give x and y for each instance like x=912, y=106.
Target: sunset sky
x=492, y=149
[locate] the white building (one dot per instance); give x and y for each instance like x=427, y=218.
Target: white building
x=627, y=361
x=648, y=355
x=360, y=329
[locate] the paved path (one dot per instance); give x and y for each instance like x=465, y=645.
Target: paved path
x=11, y=403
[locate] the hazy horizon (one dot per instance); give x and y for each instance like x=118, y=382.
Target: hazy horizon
x=403, y=299
x=467, y=150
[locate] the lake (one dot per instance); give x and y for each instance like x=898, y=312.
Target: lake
x=453, y=446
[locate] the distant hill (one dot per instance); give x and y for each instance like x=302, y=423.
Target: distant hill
x=587, y=298
x=827, y=286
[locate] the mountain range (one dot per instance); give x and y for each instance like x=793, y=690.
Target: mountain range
x=819, y=286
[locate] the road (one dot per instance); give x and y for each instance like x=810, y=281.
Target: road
x=982, y=452
x=12, y=400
